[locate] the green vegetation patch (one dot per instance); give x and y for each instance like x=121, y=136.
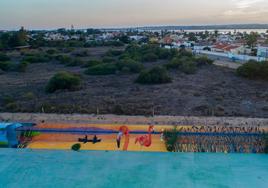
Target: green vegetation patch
x=149, y=57
x=37, y=58
x=92, y=63
x=3, y=144
x=175, y=63
x=31, y=134
x=11, y=107
x=29, y=96
x=113, y=52
x=254, y=70
x=185, y=53
x=188, y=67
x=171, y=137
x=22, y=66
x=147, y=53
x=9, y=103
x=51, y=51
x=203, y=60
x=63, y=81
x=75, y=62
x=156, y=75
x=63, y=59
x=5, y=65
x=107, y=59
x=12, y=66
x=81, y=53
x=102, y=69
x=4, y=57
x=184, y=64
x=8, y=99
x=129, y=66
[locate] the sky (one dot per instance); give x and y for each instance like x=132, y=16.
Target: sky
x=52, y=14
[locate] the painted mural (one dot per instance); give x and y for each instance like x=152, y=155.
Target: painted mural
x=92, y=137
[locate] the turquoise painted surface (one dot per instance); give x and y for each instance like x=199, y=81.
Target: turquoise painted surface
x=27, y=168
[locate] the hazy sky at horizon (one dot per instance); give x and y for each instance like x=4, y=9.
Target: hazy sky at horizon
x=39, y=14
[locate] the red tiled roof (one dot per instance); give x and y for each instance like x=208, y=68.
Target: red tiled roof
x=225, y=47
x=231, y=47
x=167, y=40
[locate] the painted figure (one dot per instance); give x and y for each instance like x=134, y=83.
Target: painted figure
x=146, y=140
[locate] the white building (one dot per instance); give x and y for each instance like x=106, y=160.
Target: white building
x=262, y=51
x=107, y=36
x=136, y=37
x=55, y=37
x=225, y=38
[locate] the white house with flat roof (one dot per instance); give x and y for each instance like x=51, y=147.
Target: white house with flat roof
x=262, y=51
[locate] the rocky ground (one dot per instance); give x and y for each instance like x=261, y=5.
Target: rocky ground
x=213, y=90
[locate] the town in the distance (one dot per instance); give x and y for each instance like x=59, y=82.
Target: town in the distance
x=235, y=44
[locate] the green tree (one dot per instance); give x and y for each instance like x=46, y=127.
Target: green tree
x=62, y=31
x=204, y=35
x=93, y=31
x=156, y=75
x=125, y=39
x=251, y=39
x=216, y=33
x=38, y=40
x=192, y=37
x=18, y=38
x=4, y=38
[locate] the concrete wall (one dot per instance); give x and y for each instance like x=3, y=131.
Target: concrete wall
x=243, y=58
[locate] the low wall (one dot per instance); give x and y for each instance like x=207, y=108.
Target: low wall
x=114, y=119
x=243, y=58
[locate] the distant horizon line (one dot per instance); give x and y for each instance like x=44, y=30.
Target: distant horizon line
x=194, y=26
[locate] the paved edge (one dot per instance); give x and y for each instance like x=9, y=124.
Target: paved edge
x=135, y=120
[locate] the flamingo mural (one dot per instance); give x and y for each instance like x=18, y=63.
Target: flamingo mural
x=123, y=130
x=146, y=140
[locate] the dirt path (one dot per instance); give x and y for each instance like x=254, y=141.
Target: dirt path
x=231, y=65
